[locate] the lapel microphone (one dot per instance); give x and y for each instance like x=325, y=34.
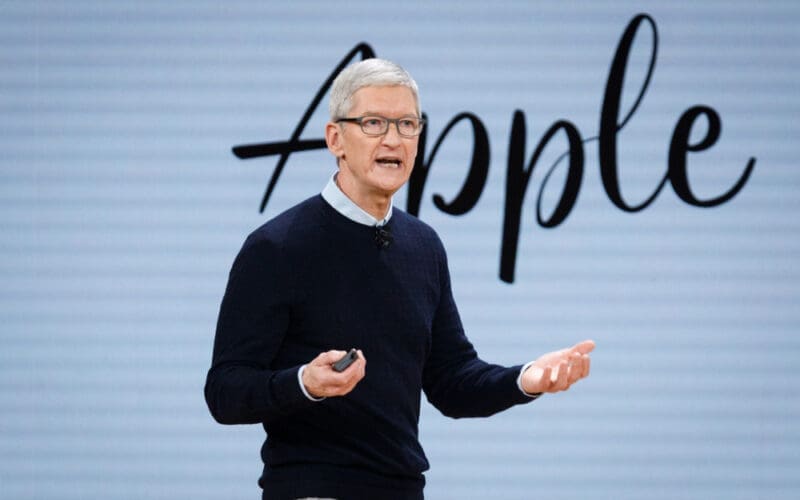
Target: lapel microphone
x=383, y=238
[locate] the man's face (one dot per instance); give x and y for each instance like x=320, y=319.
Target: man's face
x=374, y=166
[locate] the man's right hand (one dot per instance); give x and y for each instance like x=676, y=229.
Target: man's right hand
x=322, y=381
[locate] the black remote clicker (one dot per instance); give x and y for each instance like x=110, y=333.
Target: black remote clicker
x=346, y=360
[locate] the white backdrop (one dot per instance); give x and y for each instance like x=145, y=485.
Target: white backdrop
x=122, y=207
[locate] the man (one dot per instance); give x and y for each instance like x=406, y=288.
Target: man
x=345, y=269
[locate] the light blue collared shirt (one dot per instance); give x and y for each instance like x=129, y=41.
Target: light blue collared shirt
x=347, y=207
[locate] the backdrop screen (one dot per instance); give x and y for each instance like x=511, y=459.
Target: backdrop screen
x=641, y=190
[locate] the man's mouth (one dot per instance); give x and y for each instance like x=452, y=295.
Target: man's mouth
x=389, y=162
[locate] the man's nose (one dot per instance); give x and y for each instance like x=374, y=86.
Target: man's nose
x=392, y=136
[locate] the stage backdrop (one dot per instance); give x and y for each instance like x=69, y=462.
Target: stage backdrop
x=667, y=232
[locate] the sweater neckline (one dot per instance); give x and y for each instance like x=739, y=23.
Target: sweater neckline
x=347, y=224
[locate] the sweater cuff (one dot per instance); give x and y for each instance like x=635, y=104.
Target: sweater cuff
x=287, y=397
x=303, y=386
x=519, y=381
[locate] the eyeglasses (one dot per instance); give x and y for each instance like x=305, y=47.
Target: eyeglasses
x=408, y=126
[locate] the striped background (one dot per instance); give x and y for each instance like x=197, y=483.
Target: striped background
x=122, y=207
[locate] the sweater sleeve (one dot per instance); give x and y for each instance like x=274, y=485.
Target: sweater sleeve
x=455, y=380
x=241, y=387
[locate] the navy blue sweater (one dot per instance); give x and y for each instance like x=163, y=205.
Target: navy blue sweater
x=311, y=280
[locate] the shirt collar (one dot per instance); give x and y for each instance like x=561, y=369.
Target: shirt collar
x=347, y=207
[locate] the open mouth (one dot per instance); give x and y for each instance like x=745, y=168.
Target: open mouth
x=389, y=162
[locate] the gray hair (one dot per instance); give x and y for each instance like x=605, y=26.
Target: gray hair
x=367, y=73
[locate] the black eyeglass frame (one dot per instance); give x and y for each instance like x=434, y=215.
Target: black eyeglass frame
x=360, y=121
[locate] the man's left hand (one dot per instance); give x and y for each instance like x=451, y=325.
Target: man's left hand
x=557, y=371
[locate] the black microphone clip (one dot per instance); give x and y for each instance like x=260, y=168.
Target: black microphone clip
x=383, y=238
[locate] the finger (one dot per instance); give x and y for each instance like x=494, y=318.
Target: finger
x=360, y=374
x=587, y=362
x=354, y=374
x=357, y=370
x=557, y=371
x=564, y=353
x=562, y=382
x=544, y=380
x=575, y=368
x=360, y=366
x=584, y=347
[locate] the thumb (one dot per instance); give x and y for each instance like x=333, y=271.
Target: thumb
x=328, y=357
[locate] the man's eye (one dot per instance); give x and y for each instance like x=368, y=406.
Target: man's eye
x=408, y=124
x=373, y=122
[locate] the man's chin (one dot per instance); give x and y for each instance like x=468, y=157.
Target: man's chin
x=390, y=181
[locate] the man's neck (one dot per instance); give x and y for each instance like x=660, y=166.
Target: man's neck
x=375, y=204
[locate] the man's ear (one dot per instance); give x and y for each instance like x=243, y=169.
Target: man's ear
x=333, y=139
